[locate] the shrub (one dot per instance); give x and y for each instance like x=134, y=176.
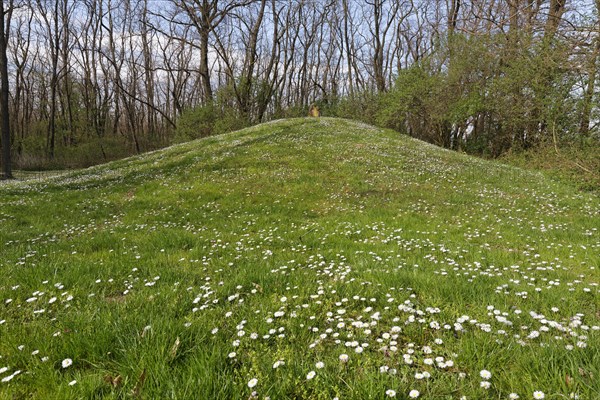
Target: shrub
x=195, y=123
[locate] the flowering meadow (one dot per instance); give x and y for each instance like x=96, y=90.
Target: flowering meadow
x=299, y=259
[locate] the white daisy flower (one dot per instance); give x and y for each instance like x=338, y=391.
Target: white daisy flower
x=485, y=374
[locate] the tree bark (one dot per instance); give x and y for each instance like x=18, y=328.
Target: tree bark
x=592, y=71
x=4, y=115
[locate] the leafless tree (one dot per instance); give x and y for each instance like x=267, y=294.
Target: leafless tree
x=5, y=15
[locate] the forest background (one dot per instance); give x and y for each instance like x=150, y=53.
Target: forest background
x=95, y=80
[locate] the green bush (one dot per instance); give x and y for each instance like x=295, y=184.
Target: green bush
x=87, y=152
x=195, y=123
x=229, y=120
x=208, y=120
x=362, y=106
x=573, y=162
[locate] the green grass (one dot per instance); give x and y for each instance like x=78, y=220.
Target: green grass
x=148, y=272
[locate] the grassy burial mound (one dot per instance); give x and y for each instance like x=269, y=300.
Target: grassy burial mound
x=305, y=258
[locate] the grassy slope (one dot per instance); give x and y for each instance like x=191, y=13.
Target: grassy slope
x=359, y=229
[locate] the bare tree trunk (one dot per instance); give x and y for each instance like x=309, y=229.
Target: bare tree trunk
x=51, y=17
x=348, y=47
x=267, y=90
x=379, y=33
x=250, y=62
x=557, y=9
x=22, y=41
x=453, y=16
x=592, y=71
x=67, y=108
x=148, y=74
x=4, y=98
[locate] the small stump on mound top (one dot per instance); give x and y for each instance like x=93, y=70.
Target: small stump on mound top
x=314, y=111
